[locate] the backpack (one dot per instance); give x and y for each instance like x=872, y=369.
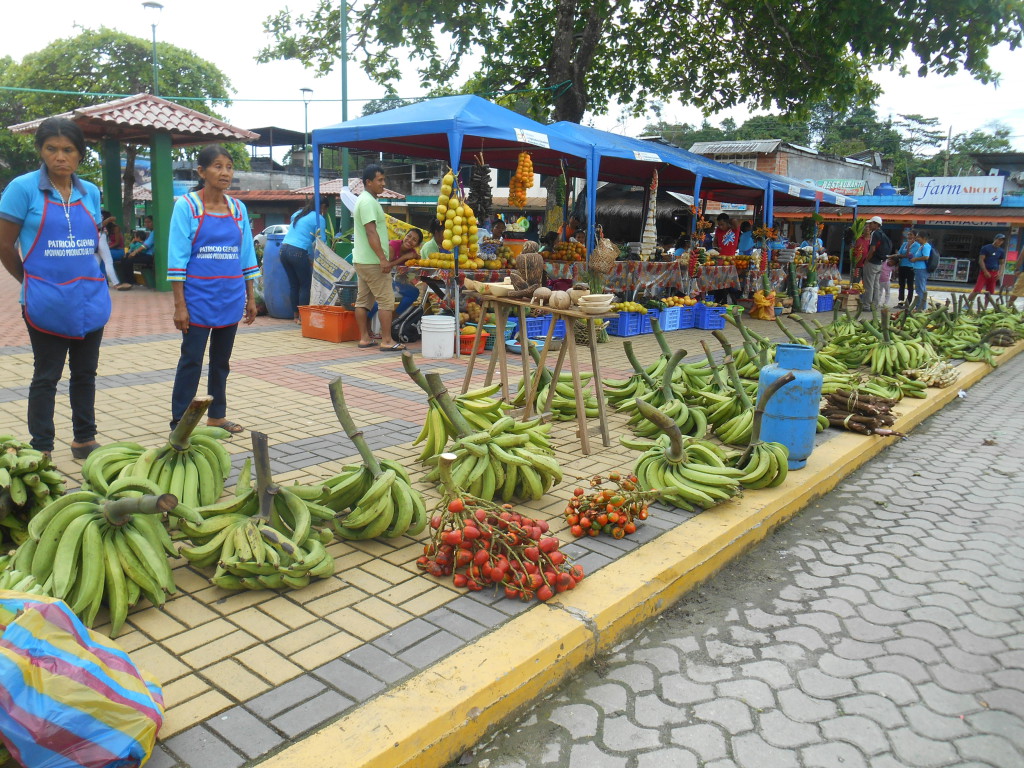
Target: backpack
x=933, y=261
x=885, y=248
x=406, y=327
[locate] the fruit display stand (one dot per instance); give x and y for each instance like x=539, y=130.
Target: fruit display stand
x=501, y=307
x=625, y=276
x=716, y=278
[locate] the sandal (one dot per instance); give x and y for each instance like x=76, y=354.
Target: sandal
x=123, y=287
x=396, y=347
x=367, y=346
x=230, y=426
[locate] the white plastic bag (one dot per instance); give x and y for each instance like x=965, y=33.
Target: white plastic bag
x=809, y=299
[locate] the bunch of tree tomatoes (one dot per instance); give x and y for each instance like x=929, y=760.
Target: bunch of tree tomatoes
x=479, y=543
x=614, y=510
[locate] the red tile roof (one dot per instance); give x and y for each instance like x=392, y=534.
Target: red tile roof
x=334, y=187
x=136, y=118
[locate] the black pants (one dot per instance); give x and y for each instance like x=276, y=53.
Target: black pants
x=298, y=266
x=906, y=279
x=190, y=369
x=126, y=266
x=49, y=353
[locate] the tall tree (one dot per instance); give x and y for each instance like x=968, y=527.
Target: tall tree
x=961, y=147
x=106, y=61
x=920, y=134
x=586, y=55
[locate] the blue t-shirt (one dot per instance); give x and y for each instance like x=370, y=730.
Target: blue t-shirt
x=907, y=252
x=303, y=231
x=746, y=243
x=25, y=197
x=923, y=249
x=992, y=255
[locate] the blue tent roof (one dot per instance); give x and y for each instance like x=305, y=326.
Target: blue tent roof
x=455, y=128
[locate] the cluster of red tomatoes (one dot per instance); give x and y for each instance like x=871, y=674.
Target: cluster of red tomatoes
x=607, y=510
x=495, y=545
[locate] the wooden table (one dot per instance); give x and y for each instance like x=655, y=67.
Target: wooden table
x=499, y=359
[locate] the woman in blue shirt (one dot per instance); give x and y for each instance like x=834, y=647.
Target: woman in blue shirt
x=49, y=236
x=211, y=264
x=905, y=271
x=919, y=259
x=297, y=252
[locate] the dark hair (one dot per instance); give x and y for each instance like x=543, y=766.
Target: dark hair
x=60, y=126
x=418, y=231
x=436, y=226
x=307, y=208
x=746, y=226
x=683, y=241
x=370, y=172
x=550, y=238
x=724, y=217
x=499, y=221
x=925, y=235
x=205, y=159
x=140, y=234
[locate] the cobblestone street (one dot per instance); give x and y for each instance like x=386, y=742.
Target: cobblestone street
x=882, y=627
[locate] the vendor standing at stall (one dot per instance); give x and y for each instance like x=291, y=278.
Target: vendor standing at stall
x=990, y=263
x=297, y=250
x=48, y=242
x=211, y=265
x=372, y=263
x=746, y=247
x=727, y=243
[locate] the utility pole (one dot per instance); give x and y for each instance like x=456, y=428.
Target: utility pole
x=346, y=220
x=949, y=140
x=306, y=93
x=157, y=7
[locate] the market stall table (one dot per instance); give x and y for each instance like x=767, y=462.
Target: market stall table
x=625, y=276
x=499, y=359
x=715, y=278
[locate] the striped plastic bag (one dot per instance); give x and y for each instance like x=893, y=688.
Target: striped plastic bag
x=69, y=697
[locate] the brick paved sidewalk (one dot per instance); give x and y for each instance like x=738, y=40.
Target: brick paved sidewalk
x=246, y=673
x=882, y=627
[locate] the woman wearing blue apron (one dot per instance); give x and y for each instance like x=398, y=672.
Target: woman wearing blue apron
x=49, y=237
x=211, y=264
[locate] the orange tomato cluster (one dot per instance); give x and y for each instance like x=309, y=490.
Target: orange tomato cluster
x=521, y=181
x=568, y=251
x=613, y=511
x=479, y=543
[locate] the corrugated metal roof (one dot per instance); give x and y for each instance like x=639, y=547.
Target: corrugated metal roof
x=135, y=119
x=759, y=147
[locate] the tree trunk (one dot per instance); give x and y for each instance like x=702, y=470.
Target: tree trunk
x=128, y=193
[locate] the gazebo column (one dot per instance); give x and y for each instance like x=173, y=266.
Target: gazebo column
x=110, y=157
x=163, y=204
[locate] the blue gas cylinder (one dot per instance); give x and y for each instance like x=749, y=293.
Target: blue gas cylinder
x=276, y=291
x=791, y=415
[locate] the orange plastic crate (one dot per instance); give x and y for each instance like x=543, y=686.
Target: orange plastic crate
x=466, y=343
x=328, y=323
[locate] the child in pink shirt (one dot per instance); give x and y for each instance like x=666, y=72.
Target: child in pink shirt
x=885, y=279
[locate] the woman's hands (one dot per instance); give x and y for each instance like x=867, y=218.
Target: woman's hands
x=181, y=318
x=250, y=310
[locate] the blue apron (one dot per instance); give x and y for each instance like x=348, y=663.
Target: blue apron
x=65, y=291
x=214, y=286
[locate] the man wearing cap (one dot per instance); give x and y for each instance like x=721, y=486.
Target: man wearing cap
x=990, y=262
x=871, y=263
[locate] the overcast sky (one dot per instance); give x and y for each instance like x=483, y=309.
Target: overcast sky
x=230, y=34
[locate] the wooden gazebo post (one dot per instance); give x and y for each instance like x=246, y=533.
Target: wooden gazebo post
x=163, y=204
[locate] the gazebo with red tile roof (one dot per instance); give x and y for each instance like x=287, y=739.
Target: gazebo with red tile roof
x=146, y=119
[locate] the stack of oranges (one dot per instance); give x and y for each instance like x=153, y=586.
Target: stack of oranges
x=521, y=181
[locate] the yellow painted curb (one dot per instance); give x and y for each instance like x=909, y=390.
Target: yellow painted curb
x=432, y=718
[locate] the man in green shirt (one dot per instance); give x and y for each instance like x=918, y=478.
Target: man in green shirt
x=372, y=263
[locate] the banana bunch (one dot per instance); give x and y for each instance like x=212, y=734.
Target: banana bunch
x=249, y=551
x=765, y=465
x=691, y=474
x=28, y=482
x=982, y=353
x=13, y=580
x=89, y=550
x=194, y=473
x=737, y=429
x=512, y=460
x=690, y=420
x=900, y=355
x=381, y=500
x=1001, y=336
x=563, y=397
x=105, y=465
x=619, y=391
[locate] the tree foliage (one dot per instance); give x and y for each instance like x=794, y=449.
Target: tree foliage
x=103, y=61
x=585, y=55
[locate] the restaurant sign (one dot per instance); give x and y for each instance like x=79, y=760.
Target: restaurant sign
x=958, y=190
x=843, y=186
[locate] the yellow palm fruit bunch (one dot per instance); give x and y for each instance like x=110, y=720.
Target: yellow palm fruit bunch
x=460, y=224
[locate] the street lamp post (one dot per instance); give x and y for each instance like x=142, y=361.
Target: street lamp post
x=157, y=7
x=306, y=93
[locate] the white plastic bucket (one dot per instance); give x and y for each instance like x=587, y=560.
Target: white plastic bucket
x=438, y=333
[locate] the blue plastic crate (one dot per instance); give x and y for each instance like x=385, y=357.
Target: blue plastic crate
x=559, y=332
x=687, y=317
x=511, y=327
x=711, y=319
x=826, y=302
x=669, y=318
x=537, y=326
x=645, y=321
x=626, y=324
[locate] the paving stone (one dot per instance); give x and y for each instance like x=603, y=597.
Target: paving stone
x=727, y=654
x=1005, y=724
x=959, y=682
x=611, y=698
x=663, y=758
x=579, y=720
x=752, y=751
x=780, y=731
x=798, y=706
x=837, y=666
x=730, y=714
x=351, y=681
x=431, y=649
x=914, y=750
x=874, y=707
x=706, y=740
x=378, y=663
x=307, y=716
x=926, y=723
x=620, y=735
x=285, y=696
x=405, y=636
x=863, y=733
x=702, y=673
x=904, y=666
x=832, y=755
x=816, y=683
x=244, y=732
x=775, y=673
x=590, y=756
x=198, y=746
x=915, y=648
x=161, y=758
x=662, y=659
